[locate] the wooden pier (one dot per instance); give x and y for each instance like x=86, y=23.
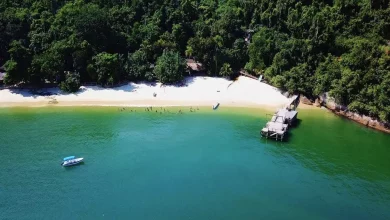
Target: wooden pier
x=281, y=121
x=244, y=73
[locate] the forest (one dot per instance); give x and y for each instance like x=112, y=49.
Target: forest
x=308, y=47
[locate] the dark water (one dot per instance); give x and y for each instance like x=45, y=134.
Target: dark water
x=203, y=165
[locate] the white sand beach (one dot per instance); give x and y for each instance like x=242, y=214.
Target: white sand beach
x=197, y=91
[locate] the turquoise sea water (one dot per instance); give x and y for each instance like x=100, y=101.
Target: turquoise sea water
x=202, y=165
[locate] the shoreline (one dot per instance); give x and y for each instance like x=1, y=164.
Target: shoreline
x=137, y=104
x=196, y=91
x=350, y=116
x=362, y=120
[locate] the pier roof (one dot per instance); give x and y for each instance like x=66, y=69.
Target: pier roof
x=193, y=65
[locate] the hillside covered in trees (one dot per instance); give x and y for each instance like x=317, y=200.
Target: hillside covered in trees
x=310, y=47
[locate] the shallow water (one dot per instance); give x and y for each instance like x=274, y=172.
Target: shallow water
x=196, y=165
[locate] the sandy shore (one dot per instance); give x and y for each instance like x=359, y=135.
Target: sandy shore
x=197, y=91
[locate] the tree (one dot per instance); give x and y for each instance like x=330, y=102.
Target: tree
x=203, y=49
x=72, y=82
x=14, y=26
x=189, y=51
x=138, y=67
x=11, y=66
x=226, y=70
x=310, y=47
x=108, y=68
x=121, y=19
x=170, y=68
x=51, y=63
x=218, y=42
x=266, y=43
x=325, y=74
x=18, y=66
x=77, y=21
x=40, y=37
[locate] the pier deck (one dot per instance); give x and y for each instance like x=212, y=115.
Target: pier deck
x=280, y=122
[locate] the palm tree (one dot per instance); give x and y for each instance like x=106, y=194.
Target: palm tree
x=189, y=51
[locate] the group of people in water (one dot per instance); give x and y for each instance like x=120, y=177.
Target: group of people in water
x=160, y=110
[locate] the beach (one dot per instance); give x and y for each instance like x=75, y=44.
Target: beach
x=195, y=91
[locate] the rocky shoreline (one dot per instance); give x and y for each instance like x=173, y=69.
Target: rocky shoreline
x=325, y=101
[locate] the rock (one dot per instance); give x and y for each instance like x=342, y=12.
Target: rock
x=317, y=103
x=305, y=100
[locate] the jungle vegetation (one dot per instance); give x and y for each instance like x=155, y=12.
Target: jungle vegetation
x=308, y=47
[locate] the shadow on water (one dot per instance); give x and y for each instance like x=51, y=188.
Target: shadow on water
x=73, y=166
x=297, y=123
x=287, y=137
x=290, y=134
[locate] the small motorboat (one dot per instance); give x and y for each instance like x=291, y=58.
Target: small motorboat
x=216, y=106
x=71, y=161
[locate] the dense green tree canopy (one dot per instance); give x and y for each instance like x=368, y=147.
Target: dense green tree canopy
x=170, y=67
x=71, y=83
x=106, y=68
x=311, y=47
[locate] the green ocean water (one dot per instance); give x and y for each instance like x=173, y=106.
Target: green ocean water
x=196, y=165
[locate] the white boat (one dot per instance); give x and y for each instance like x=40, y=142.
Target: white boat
x=70, y=161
